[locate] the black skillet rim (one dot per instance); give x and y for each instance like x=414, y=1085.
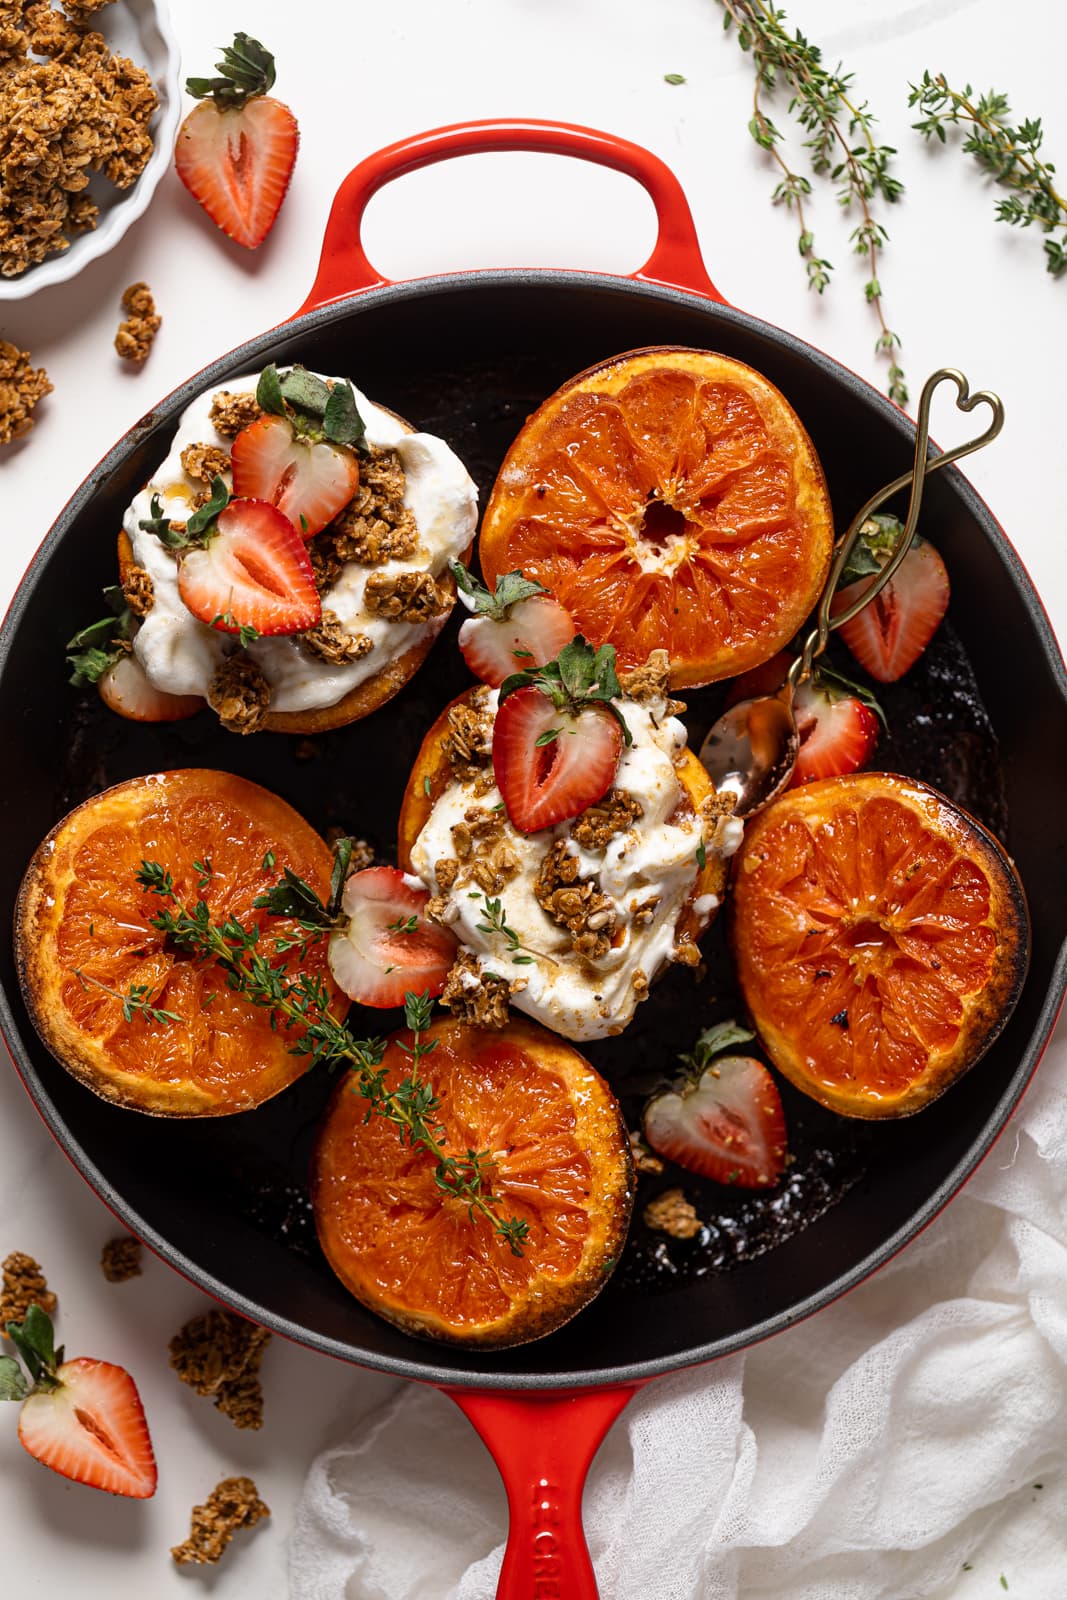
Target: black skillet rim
x=248, y=355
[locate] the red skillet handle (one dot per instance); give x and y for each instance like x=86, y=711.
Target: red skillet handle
x=543, y=1445
x=345, y=270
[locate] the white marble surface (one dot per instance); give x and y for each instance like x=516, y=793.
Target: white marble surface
x=960, y=289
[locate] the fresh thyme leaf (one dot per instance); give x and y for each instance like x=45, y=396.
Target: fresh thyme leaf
x=247, y=635
x=404, y=925
x=840, y=144
x=426, y=787
x=548, y=737
x=1008, y=153
x=702, y=855
x=268, y=861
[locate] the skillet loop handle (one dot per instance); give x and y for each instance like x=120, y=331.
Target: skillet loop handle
x=543, y=1444
x=345, y=270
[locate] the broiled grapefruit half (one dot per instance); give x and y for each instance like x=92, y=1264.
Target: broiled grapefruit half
x=670, y=499
x=85, y=944
x=881, y=937
x=560, y=1163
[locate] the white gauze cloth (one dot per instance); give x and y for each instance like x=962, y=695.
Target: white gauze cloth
x=909, y=1441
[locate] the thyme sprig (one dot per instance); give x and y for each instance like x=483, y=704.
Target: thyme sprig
x=1008, y=153
x=301, y=1001
x=135, y=1002
x=841, y=147
x=496, y=922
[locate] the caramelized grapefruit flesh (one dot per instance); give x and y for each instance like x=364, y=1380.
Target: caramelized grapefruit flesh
x=560, y=1163
x=670, y=499
x=881, y=937
x=84, y=939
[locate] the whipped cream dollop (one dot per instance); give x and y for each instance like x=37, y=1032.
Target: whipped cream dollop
x=180, y=654
x=652, y=865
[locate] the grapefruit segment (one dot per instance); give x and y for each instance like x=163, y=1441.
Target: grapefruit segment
x=560, y=1162
x=881, y=938
x=669, y=499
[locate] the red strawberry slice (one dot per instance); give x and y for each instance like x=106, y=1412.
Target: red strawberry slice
x=544, y=780
x=237, y=163
x=727, y=1126
x=92, y=1428
x=254, y=572
x=533, y=634
x=892, y=632
x=309, y=483
x=837, y=732
x=388, y=948
x=125, y=688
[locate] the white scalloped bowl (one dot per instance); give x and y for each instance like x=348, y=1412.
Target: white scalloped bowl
x=140, y=29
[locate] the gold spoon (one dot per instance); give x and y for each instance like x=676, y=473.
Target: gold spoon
x=752, y=749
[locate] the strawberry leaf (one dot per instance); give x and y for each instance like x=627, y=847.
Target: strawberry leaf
x=97, y=647
x=269, y=395
x=511, y=588
x=837, y=685
x=579, y=678
x=246, y=71
x=198, y=529
x=342, y=858
x=341, y=421
x=715, y=1041
x=35, y=1343
x=13, y=1385
x=306, y=391
x=877, y=541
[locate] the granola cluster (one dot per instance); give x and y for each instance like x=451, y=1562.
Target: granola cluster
x=219, y=1354
x=406, y=596
x=20, y=387
x=478, y=998
x=204, y=461
x=652, y=681
x=375, y=526
x=79, y=111
x=140, y=325
x=485, y=858
x=232, y=412
x=600, y=823
x=468, y=744
x=138, y=591
x=120, y=1259
x=330, y=641
x=23, y=1286
x=671, y=1213
x=239, y=694
x=575, y=903
x=234, y=1503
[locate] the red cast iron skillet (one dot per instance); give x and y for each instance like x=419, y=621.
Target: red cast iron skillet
x=468, y=355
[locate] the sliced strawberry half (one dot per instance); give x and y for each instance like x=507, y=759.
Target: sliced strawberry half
x=309, y=482
x=91, y=1427
x=388, y=948
x=892, y=632
x=551, y=763
x=235, y=152
x=534, y=633
x=838, y=731
x=253, y=572
x=728, y=1125
x=125, y=688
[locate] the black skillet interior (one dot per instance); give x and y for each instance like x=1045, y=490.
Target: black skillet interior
x=224, y=1201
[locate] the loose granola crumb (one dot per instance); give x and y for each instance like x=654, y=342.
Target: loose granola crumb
x=468, y=744
x=138, y=591
x=671, y=1213
x=80, y=111
x=234, y=1503
x=21, y=387
x=204, y=462
x=232, y=412
x=476, y=997
x=652, y=681
x=645, y=1160
x=219, y=1354
x=240, y=694
x=686, y=954
x=575, y=903
x=120, y=1259
x=598, y=825
x=331, y=641
x=363, y=854
x=140, y=326
x=23, y=1286
x=445, y=872
x=406, y=596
